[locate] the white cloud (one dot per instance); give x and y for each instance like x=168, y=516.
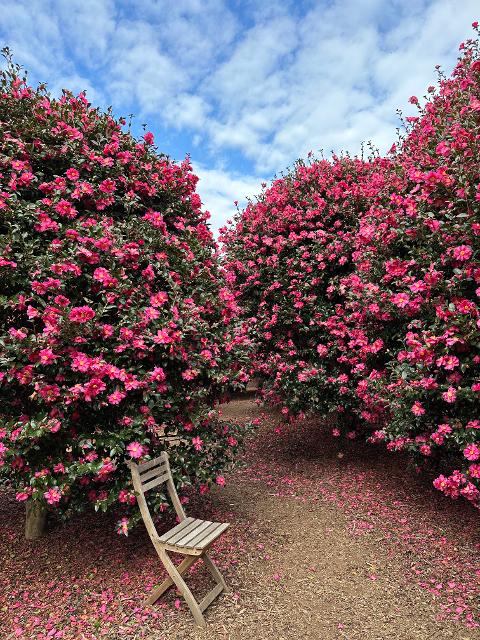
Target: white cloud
x=252, y=85
x=142, y=73
x=219, y=188
x=88, y=25
x=332, y=78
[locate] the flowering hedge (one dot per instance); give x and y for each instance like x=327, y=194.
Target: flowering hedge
x=427, y=270
x=362, y=282
x=287, y=258
x=115, y=325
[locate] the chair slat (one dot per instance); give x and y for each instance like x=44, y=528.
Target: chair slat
x=200, y=534
x=194, y=542
x=210, y=537
x=155, y=482
x=177, y=536
x=168, y=534
x=184, y=541
x=156, y=471
x=151, y=463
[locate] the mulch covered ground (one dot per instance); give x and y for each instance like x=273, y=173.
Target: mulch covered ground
x=330, y=540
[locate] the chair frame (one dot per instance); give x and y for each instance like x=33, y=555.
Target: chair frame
x=157, y=472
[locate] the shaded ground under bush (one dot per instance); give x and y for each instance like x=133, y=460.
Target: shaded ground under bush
x=329, y=540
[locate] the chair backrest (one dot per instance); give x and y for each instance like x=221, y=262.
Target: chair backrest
x=149, y=475
x=154, y=472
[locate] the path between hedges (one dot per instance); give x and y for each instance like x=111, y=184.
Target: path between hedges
x=329, y=540
x=317, y=567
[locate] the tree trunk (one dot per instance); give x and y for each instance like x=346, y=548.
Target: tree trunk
x=36, y=517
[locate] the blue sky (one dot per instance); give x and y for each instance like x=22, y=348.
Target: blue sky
x=244, y=87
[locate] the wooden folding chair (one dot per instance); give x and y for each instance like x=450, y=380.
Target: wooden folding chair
x=191, y=538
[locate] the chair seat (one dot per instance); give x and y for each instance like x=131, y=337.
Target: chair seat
x=192, y=536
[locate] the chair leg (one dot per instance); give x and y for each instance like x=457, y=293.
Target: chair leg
x=166, y=584
x=182, y=587
x=217, y=576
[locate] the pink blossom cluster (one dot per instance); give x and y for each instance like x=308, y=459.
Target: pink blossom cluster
x=360, y=283
x=117, y=331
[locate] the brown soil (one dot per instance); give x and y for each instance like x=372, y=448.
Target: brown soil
x=301, y=572
x=330, y=540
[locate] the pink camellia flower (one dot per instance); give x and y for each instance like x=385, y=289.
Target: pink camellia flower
x=150, y=313
x=53, y=495
x=122, y=527
x=440, y=482
x=417, y=409
x=123, y=495
x=49, y=392
x=474, y=470
x=463, y=252
x=465, y=306
x=149, y=137
x=197, y=443
x=106, y=469
x=220, y=480
x=322, y=350
x=443, y=149
x=104, y=276
x=59, y=468
x=474, y=104
x=135, y=450
x=425, y=449
x=66, y=209
x=158, y=374
x=400, y=300
x=449, y=362
x=81, y=314
x=444, y=428
x=7, y=263
x=18, y=334
x=116, y=397
x=472, y=452
x=107, y=186
x=81, y=362
x=450, y=395
x=72, y=174
x=46, y=356
x=189, y=374
x=54, y=425
x=21, y=496
x=158, y=299
x=61, y=301
x=93, y=388
x=162, y=337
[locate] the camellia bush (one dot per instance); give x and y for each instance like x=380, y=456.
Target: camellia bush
x=361, y=282
x=288, y=254
x=116, y=330
x=426, y=272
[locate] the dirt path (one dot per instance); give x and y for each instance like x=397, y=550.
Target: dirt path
x=329, y=540
x=306, y=571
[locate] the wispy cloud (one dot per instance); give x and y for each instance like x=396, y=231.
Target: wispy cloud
x=246, y=87
x=220, y=190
